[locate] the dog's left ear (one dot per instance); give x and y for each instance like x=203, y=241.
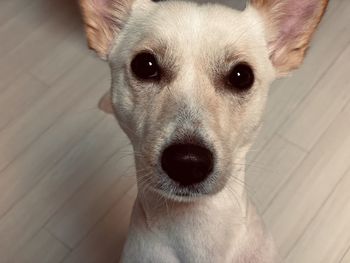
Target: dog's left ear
x=290, y=25
x=103, y=21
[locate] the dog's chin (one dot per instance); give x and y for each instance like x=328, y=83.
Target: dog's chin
x=182, y=194
x=179, y=195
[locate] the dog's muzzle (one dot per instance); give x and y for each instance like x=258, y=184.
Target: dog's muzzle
x=187, y=164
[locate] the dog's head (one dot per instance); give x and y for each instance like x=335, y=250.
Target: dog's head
x=189, y=81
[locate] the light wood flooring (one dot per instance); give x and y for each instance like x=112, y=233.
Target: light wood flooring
x=66, y=169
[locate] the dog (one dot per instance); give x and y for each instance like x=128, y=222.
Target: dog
x=189, y=86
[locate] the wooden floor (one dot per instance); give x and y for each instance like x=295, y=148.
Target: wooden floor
x=66, y=169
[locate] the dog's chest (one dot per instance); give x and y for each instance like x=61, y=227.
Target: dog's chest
x=205, y=241
x=187, y=238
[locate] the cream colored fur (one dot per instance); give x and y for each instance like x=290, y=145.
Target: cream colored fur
x=197, y=42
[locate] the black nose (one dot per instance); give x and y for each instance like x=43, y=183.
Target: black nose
x=187, y=164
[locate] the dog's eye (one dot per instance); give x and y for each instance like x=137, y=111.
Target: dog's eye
x=145, y=66
x=241, y=77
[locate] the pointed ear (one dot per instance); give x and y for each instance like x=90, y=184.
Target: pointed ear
x=103, y=21
x=290, y=25
x=105, y=103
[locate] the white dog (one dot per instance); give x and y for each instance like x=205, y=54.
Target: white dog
x=189, y=84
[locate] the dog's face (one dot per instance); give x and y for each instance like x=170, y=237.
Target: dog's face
x=189, y=82
x=202, y=87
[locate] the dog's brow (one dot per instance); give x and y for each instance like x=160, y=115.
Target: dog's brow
x=232, y=56
x=223, y=61
x=153, y=45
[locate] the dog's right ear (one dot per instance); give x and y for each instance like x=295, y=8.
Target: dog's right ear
x=290, y=25
x=103, y=21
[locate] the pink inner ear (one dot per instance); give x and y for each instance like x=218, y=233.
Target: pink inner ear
x=100, y=4
x=296, y=14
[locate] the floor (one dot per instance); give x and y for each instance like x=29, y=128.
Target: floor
x=66, y=169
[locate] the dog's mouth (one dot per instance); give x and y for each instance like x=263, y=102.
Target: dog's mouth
x=178, y=193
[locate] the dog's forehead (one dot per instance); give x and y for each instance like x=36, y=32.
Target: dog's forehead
x=202, y=29
x=210, y=22
x=195, y=34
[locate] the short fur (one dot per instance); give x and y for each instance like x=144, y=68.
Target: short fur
x=196, y=46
